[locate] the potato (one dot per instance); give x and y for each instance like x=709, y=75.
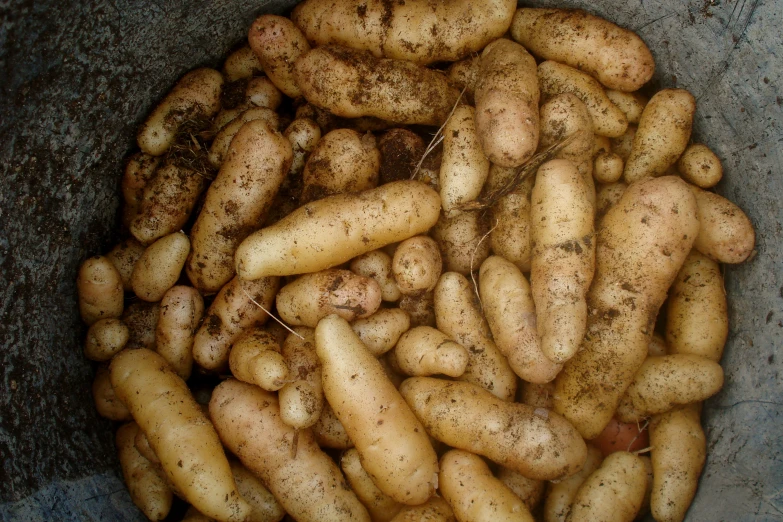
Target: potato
x=351, y=83
x=401, y=150
x=474, y=494
x=255, y=358
x=242, y=63
x=563, y=262
x=179, y=433
x=700, y=166
x=333, y=230
x=381, y=507
x=555, y=78
x=106, y=401
x=124, y=256
x=264, y=507
x=535, y=442
x=508, y=307
x=678, y=455
x=311, y=297
x=616, y=56
x=420, y=308
x=458, y=315
x=560, y=494
x=425, y=351
x=434, y=510
x=381, y=331
x=141, y=318
x=329, y=432
x=277, y=43
x=615, y=491
x=301, y=399
x=631, y=103
x=232, y=312
x=464, y=74
x=464, y=167
x=608, y=167
x=622, y=436
x=417, y=265
x=100, y=290
x=105, y=338
x=416, y=31
x=377, y=265
x=195, y=97
x=236, y=202
x=139, y=169
x=306, y=482
x=220, y=144
x=530, y=491
x=160, y=266
x=393, y=446
x=510, y=233
x=605, y=197
x=668, y=381
x=304, y=134
x=142, y=444
x=145, y=482
x=641, y=244
x=697, y=320
x=725, y=232
x=261, y=92
x=622, y=145
x=462, y=241
x=507, y=103
x=663, y=133
x=342, y=161
x=181, y=310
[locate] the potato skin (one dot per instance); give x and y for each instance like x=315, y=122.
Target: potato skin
x=725, y=233
x=105, y=338
x=381, y=331
x=642, y=243
x=100, y=289
x=106, y=401
x=434, y=510
x=510, y=233
x=426, y=351
x=277, y=43
x=461, y=240
x=417, y=265
x=381, y=507
x=700, y=166
x=560, y=495
x=417, y=31
x=159, y=267
x=181, y=310
x=464, y=167
x=302, y=399
x=179, y=432
x=146, y=484
x=333, y=230
x=530, y=491
x=617, y=57
x=308, y=484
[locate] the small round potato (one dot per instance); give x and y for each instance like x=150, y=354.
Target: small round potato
x=700, y=166
x=377, y=265
x=607, y=167
x=417, y=265
x=101, y=294
x=105, y=338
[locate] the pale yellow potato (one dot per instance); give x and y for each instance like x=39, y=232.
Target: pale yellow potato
x=700, y=166
x=423, y=351
x=141, y=318
x=394, y=90
x=458, y=315
x=556, y=78
x=311, y=297
x=106, y=401
x=662, y=135
x=124, y=256
x=242, y=63
x=255, y=358
x=277, y=43
x=417, y=31
x=607, y=196
x=463, y=241
x=181, y=309
x=401, y=150
x=420, y=308
x=377, y=265
x=394, y=448
x=261, y=92
x=434, y=510
x=667, y=381
x=563, y=262
x=631, y=103
x=329, y=432
x=617, y=57
x=222, y=140
x=304, y=134
x=464, y=167
x=560, y=494
x=417, y=265
x=179, y=432
x=105, y=338
x=232, y=312
x=507, y=302
x=142, y=444
x=100, y=290
x=195, y=97
x=648, y=492
x=306, y=482
x=535, y=442
x=615, y=491
x=608, y=167
x=530, y=491
x=726, y=233
x=658, y=345
x=509, y=236
x=697, y=317
x=507, y=98
x=264, y=507
x=302, y=398
x=145, y=482
x=641, y=244
x=602, y=144
x=382, y=507
x=464, y=74
x=678, y=455
x=381, y=331
x=474, y=494
x=139, y=169
x=333, y=230
x=258, y=160
x=160, y=266
x=537, y=395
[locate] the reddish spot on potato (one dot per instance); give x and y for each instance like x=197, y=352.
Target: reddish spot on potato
x=619, y=436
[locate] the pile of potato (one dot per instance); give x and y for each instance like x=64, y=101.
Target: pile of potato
x=465, y=219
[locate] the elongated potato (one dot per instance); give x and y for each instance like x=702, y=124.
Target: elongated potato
x=381, y=331
x=181, y=310
x=264, y=506
x=417, y=265
x=179, y=432
x=507, y=103
x=145, y=482
x=417, y=31
x=222, y=140
x=535, y=442
x=139, y=169
x=301, y=399
x=697, y=319
x=616, y=56
x=106, y=401
x=333, y=230
x=424, y=351
x=393, y=446
x=255, y=358
x=195, y=97
x=377, y=265
x=236, y=202
x=700, y=166
x=474, y=494
x=434, y=510
x=530, y=491
x=306, y=482
x=277, y=43
x=105, y=338
x=509, y=236
x=662, y=135
x=465, y=166
x=100, y=290
x=725, y=233
x=458, y=315
x=508, y=306
x=560, y=495
x=462, y=241
x=641, y=244
x=353, y=83
x=381, y=507
x=631, y=103
x=160, y=266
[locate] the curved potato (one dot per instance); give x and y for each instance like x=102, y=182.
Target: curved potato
x=423, y=351
x=725, y=232
x=255, y=358
x=560, y=495
x=381, y=331
x=377, y=265
x=147, y=486
x=100, y=290
x=181, y=309
x=277, y=43
x=160, y=266
x=381, y=507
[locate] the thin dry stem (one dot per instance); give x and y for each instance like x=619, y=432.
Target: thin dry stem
x=643, y=450
x=472, y=257
x=640, y=430
x=272, y=316
x=438, y=137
